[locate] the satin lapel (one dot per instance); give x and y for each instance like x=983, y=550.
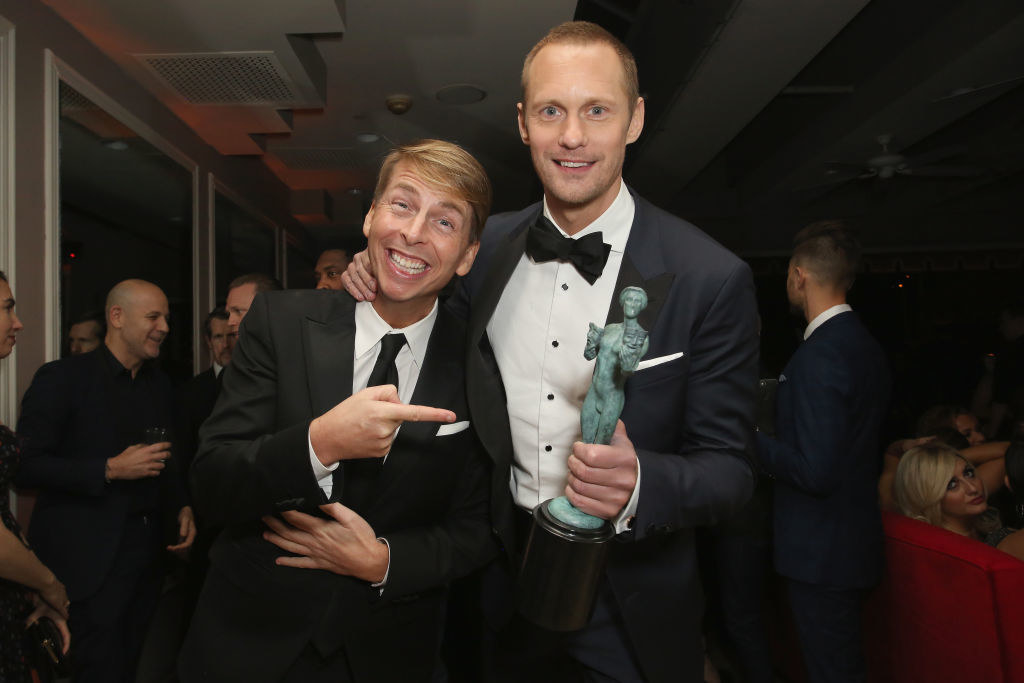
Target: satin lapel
x=642, y=266
x=499, y=270
x=442, y=366
x=329, y=348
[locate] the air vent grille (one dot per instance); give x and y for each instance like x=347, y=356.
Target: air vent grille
x=225, y=78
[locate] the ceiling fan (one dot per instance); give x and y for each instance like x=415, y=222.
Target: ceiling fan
x=890, y=163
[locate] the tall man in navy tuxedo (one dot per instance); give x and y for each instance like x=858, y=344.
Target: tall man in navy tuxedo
x=826, y=457
x=678, y=458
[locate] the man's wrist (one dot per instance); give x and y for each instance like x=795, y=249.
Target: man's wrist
x=108, y=471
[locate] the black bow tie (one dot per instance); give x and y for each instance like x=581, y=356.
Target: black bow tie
x=588, y=254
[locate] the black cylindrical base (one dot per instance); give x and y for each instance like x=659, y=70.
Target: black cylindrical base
x=561, y=571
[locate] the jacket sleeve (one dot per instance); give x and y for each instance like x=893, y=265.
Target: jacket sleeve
x=240, y=472
x=46, y=413
x=709, y=478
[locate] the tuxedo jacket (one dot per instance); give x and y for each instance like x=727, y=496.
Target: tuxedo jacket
x=826, y=457
x=690, y=417
x=293, y=362
x=70, y=429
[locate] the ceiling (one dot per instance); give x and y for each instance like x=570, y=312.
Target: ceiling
x=761, y=115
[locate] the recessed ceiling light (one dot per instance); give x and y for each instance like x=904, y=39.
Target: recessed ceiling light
x=116, y=145
x=460, y=93
x=367, y=137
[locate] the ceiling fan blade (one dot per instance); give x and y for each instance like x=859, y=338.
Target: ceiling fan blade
x=934, y=155
x=943, y=171
x=960, y=92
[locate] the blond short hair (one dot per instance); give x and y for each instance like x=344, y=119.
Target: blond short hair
x=445, y=167
x=583, y=33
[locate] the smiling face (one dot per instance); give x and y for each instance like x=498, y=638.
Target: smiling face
x=418, y=238
x=577, y=120
x=138, y=326
x=965, y=496
x=10, y=325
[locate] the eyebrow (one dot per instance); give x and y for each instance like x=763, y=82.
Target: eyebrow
x=450, y=206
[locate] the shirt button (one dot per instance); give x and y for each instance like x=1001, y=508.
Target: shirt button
x=555, y=343
x=548, y=448
x=565, y=287
x=551, y=397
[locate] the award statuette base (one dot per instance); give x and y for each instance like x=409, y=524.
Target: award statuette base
x=562, y=567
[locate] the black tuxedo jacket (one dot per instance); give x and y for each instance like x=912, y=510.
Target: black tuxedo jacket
x=70, y=429
x=832, y=398
x=294, y=362
x=690, y=419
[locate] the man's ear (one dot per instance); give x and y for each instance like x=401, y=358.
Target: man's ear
x=467, y=258
x=636, y=122
x=521, y=119
x=115, y=317
x=368, y=219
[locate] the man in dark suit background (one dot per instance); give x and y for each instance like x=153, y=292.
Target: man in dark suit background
x=354, y=591
x=678, y=457
x=200, y=393
x=101, y=490
x=826, y=458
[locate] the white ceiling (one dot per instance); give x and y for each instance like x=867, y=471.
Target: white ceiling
x=727, y=144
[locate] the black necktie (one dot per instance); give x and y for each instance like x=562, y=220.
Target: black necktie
x=588, y=253
x=353, y=482
x=384, y=369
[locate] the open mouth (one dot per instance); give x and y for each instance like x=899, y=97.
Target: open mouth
x=406, y=264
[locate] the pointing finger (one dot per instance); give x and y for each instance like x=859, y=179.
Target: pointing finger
x=414, y=413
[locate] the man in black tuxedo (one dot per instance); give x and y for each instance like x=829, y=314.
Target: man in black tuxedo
x=199, y=394
x=97, y=522
x=826, y=457
x=678, y=458
x=348, y=583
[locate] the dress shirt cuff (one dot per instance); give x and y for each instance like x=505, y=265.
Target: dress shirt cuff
x=624, y=522
x=384, y=581
x=320, y=471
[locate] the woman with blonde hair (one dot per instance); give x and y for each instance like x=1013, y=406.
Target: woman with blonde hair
x=937, y=485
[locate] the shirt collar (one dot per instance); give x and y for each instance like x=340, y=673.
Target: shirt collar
x=114, y=365
x=613, y=224
x=825, y=315
x=370, y=328
x=217, y=369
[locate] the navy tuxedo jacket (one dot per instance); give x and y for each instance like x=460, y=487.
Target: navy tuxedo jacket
x=826, y=457
x=690, y=419
x=293, y=362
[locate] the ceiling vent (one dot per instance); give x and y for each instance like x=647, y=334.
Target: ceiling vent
x=225, y=78
x=319, y=158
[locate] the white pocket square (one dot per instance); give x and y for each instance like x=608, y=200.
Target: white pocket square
x=651, y=362
x=453, y=428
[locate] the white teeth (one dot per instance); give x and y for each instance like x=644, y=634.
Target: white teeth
x=407, y=264
x=573, y=164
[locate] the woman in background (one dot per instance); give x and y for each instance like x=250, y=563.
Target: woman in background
x=937, y=485
x=28, y=590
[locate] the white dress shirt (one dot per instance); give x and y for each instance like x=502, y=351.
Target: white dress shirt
x=217, y=369
x=538, y=332
x=370, y=329
x=825, y=315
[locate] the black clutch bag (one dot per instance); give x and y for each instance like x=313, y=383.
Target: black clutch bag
x=44, y=647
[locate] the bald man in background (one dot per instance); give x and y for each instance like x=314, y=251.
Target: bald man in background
x=102, y=491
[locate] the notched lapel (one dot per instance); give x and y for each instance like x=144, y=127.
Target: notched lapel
x=329, y=348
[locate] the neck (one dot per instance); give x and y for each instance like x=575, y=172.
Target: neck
x=123, y=356
x=401, y=314
x=574, y=217
x=959, y=526
x=819, y=301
